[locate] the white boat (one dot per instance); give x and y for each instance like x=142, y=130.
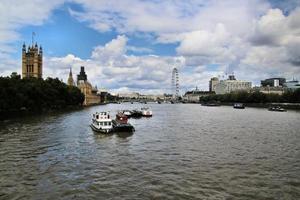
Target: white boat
x=146, y=112
x=101, y=122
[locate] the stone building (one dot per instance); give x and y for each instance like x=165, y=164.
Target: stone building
x=32, y=61
x=70, y=79
x=212, y=84
x=86, y=88
x=193, y=96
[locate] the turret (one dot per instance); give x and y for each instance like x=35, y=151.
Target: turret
x=32, y=61
x=41, y=50
x=24, y=48
x=70, y=79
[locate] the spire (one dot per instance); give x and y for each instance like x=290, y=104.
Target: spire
x=70, y=78
x=24, y=47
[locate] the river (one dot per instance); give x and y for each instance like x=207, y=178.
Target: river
x=185, y=151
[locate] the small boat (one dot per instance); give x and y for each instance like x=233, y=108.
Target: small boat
x=159, y=102
x=128, y=113
x=211, y=104
x=277, y=109
x=102, y=123
x=120, y=124
x=239, y=106
x=146, y=112
x=136, y=114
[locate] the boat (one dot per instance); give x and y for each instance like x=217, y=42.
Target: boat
x=136, y=114
x=120, y=124
x=146, y=112
x=128, y=113
x=277, y=109
x=212, y=104
x=238, y=106
x=102, y=123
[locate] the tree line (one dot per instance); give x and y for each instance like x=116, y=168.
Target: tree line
x=33, y=94
x=288, y=96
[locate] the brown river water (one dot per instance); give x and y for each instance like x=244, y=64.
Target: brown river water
x=185, y=151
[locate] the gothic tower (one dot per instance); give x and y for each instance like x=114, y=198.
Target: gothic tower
x=81, y=77
x=70, y=79
x=32, y=61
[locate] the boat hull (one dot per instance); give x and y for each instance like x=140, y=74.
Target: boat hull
x=277, y=110
x=106, y=131
x=119, y=127
x=239, y=107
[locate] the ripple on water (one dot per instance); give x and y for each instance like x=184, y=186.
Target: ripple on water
x=182, y=152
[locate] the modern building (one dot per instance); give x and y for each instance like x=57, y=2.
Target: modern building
x=212, y=84
x=231, y=85
x=90, y=93
x=273, y=82
x=292, y=85
x=32, y=61
x=70, y=79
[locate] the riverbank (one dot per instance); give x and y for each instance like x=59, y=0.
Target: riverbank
x=15, y=114
x=290, y=106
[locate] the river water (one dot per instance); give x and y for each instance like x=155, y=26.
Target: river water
x=185, y=151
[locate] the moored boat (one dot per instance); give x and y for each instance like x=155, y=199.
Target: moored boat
x=128, y=113
x=277, y=109
x=212, y=104
x=239, y=106
x=136, y=114
x=102, y=123
x=120, y=124
x=146, y=112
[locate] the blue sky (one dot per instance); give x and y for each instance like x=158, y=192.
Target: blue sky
x=62, y=34
x=133, y=45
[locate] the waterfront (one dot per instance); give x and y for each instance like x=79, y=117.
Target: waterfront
x=185, y=151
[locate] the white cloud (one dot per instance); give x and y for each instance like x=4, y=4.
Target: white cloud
x=275, y=45
x=248, y=37
x=110, y=67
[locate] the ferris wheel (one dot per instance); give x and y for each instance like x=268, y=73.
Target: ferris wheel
x=175, y=83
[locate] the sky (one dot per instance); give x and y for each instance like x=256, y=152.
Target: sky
x=133, y=45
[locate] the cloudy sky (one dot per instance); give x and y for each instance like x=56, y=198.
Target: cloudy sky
x=133, y=45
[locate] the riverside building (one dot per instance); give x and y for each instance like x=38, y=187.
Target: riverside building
x=32, y=61
x=231, y=85
x=90, y=93
x=194, y=96
x=212, y=84
x=70, y=79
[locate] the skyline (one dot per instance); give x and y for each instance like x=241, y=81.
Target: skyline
x=134, y=45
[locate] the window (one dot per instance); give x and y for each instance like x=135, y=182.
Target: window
x=105, y=123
